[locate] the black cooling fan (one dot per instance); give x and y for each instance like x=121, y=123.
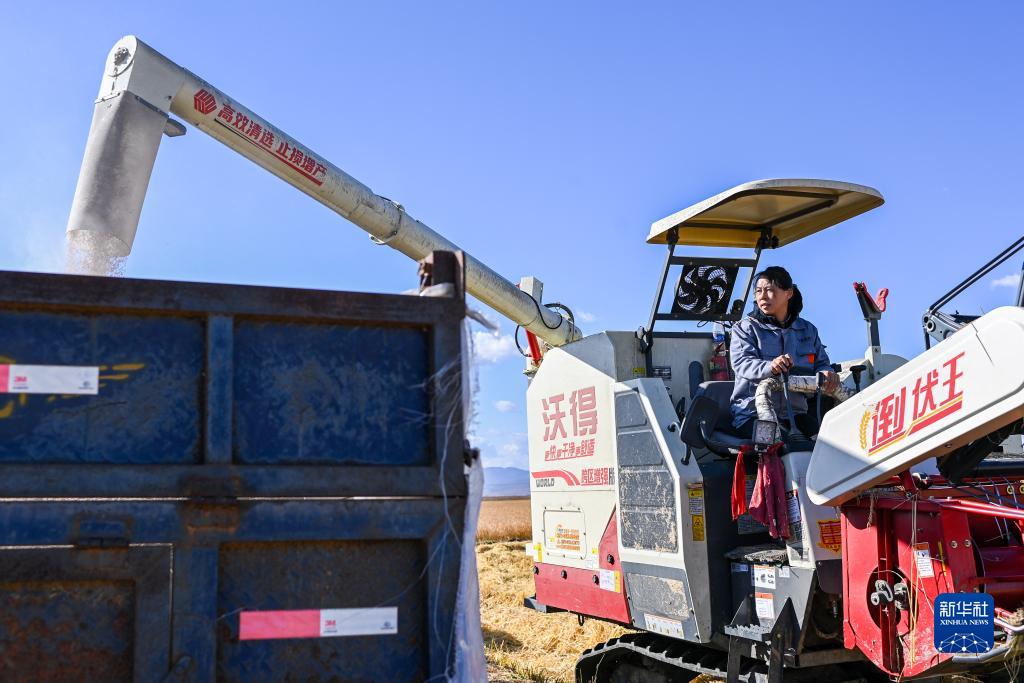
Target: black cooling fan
x=703, y=291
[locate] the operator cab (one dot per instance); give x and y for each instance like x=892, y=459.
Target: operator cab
x=759, y=215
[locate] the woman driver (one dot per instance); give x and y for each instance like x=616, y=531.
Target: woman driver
x=771, y=340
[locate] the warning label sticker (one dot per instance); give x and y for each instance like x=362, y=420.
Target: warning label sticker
x=764, y=605
x=668, y=627
x=610, y=580
x=567, y=538
x=793, y=508
x=923, y=561
x=697, y=524
x=830, y=535
x=764, y=576
x=662, y=371
x=696, y=496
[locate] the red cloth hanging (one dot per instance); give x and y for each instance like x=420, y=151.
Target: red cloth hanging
x=768, y=501
x=739, y=484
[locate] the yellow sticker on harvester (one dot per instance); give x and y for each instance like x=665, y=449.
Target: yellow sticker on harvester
x=696, y=499
x=697, y=522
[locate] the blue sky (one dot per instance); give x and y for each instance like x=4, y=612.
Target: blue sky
x=545, y=138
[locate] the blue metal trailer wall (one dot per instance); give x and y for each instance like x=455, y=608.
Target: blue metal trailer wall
x=237, y=389
x=250, y=449
x=147, y=590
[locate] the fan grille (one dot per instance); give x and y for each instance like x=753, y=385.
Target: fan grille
x=703, y=291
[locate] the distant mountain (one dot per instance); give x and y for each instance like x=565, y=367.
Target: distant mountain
x=503, y=482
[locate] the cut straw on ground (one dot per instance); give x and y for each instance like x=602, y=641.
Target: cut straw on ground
x=519, y=641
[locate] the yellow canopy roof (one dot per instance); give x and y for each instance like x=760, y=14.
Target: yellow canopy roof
x=791, y=209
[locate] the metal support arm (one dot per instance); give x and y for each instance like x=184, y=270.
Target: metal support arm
x=938, y=325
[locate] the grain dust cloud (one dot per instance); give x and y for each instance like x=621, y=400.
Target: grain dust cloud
x=87, y=252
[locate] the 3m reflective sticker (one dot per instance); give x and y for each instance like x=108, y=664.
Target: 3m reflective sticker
x=667, y=627
x=740, y=568
x=923, y=561
x=764, y=576
x=49, y=379
x=279, y=624
x=764, y=606
x=358, y=622
x=784, y=572
x=295, y=623
x=312, y=623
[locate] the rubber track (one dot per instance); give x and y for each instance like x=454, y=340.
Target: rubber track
x=593, y=666
x=669, y=651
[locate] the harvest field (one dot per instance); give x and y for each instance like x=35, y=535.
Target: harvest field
x=523, y=645
x=504, y=519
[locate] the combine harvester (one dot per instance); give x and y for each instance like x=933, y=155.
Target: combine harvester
x=892, y=505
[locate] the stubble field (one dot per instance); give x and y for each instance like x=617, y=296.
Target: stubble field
x=523, y=645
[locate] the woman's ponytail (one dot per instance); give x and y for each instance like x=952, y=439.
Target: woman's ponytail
x=796, y=303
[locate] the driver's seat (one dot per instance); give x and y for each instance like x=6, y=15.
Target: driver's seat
x=708, y=422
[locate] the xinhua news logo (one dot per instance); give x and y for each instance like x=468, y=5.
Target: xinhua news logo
x=964, y=623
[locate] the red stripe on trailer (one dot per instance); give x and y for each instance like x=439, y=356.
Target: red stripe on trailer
x=580, y=591
x=295, y=623
x=5, y=375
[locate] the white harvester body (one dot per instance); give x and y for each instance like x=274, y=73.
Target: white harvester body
x=969, y=386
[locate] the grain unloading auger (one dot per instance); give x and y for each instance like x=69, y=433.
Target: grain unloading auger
x=141, y=89
x=631, y=471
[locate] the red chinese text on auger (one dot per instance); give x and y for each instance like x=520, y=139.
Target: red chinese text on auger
x=257, y=134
